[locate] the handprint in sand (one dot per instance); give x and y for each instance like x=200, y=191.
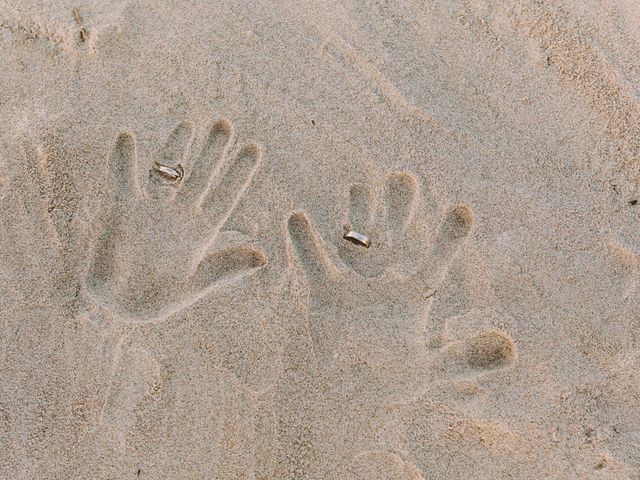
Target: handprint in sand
x=368, y=306
x=157, y=250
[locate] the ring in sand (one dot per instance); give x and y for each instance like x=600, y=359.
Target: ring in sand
x=357, y=238
x=169, y=173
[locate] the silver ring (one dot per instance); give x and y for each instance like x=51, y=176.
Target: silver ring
x=357, y=238
x=169, y=173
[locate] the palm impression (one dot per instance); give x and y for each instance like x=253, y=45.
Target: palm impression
x=370, y=305
x=156, y=253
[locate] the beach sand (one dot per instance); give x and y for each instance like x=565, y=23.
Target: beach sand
x=177, y=300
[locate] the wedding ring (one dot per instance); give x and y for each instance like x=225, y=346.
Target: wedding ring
x=169, y=173
x=357, y=238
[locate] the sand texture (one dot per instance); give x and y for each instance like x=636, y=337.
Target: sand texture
x=177, y=300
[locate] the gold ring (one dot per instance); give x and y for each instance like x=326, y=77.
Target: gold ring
x=169, y=173
x=357, y=238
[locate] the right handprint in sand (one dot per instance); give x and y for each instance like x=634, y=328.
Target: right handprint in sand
x=370, y=306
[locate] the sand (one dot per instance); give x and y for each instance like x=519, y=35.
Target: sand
x=177, y=300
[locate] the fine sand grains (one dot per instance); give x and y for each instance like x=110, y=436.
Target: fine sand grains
x=177, y=296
